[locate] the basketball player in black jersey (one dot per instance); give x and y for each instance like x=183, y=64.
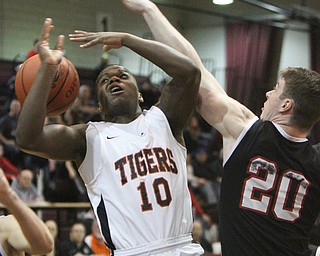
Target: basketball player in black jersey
x=22, y=230
x=270, y=194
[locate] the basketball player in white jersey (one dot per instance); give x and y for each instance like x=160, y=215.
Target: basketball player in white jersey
x=133, y=163
x=22, y=230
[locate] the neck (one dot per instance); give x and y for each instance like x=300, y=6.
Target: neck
x=123, y=119
x=284, y=121
x=294, y=131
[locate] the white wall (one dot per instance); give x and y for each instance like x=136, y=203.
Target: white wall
x=295, y=50
x=210, y=43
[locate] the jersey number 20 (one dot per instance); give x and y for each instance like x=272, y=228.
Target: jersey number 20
x=256, y=192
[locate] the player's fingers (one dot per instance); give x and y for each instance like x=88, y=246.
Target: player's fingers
x=59, y=43
x=79, y=33
x=46, y=29
x=90, y=43
x=83, y=37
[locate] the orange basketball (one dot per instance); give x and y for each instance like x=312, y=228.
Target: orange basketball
x=64, y=89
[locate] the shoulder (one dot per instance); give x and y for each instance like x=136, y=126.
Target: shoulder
x=154, y=111
x=81, y=128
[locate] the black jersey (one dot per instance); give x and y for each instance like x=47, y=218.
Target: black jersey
x=270, y=194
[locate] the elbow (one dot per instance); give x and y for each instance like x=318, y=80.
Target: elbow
x=195, y=76
x=44, y=247
x=49, y=245
x=21, y=142
x=24, y=141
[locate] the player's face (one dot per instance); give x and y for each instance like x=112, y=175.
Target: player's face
x=273, y=103
x=117, y=91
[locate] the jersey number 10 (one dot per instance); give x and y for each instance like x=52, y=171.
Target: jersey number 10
x=163, y=196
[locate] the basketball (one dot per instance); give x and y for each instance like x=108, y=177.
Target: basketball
x=64, y=89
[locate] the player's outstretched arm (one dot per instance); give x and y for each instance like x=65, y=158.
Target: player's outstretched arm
x=23, y=230
x=178, y=99
x=53, y=141
x=221, y=111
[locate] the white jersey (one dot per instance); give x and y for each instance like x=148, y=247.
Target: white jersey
x=136, y=180
x=2, y=252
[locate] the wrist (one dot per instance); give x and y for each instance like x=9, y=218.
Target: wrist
x=9, y=199
x=149, y=7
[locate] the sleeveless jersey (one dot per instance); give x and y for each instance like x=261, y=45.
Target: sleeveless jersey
x=269, y=193
x=136, y=180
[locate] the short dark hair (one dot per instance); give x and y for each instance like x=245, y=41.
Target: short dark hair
x=303, y=87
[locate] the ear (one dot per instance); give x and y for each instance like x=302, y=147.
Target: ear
x=99, y=107
x=140, y=98
x=286, y=106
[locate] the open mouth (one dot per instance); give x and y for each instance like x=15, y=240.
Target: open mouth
x=116, y=89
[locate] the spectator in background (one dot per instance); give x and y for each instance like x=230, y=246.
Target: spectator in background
x=24, y=187
x=8, y=125
x=95, y=241
x=10, y=170
x=76, y=244
x=198, y=237
x=73, y=116
x=85, y=103
x=33, y=51
x=65, y=182
x=205, y=178
x=192, y=135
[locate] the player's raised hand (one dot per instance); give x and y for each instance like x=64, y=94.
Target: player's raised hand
x=137, y=6
x=110, y=40
x=47, y=55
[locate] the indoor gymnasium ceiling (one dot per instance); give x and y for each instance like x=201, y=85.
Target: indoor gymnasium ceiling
x=282, y=13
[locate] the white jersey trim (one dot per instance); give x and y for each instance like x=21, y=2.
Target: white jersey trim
x=287, y=136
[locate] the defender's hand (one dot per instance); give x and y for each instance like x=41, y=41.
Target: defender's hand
x=110, y=40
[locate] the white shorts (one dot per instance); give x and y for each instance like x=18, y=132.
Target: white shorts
x=179, y=246
x=188, y=250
